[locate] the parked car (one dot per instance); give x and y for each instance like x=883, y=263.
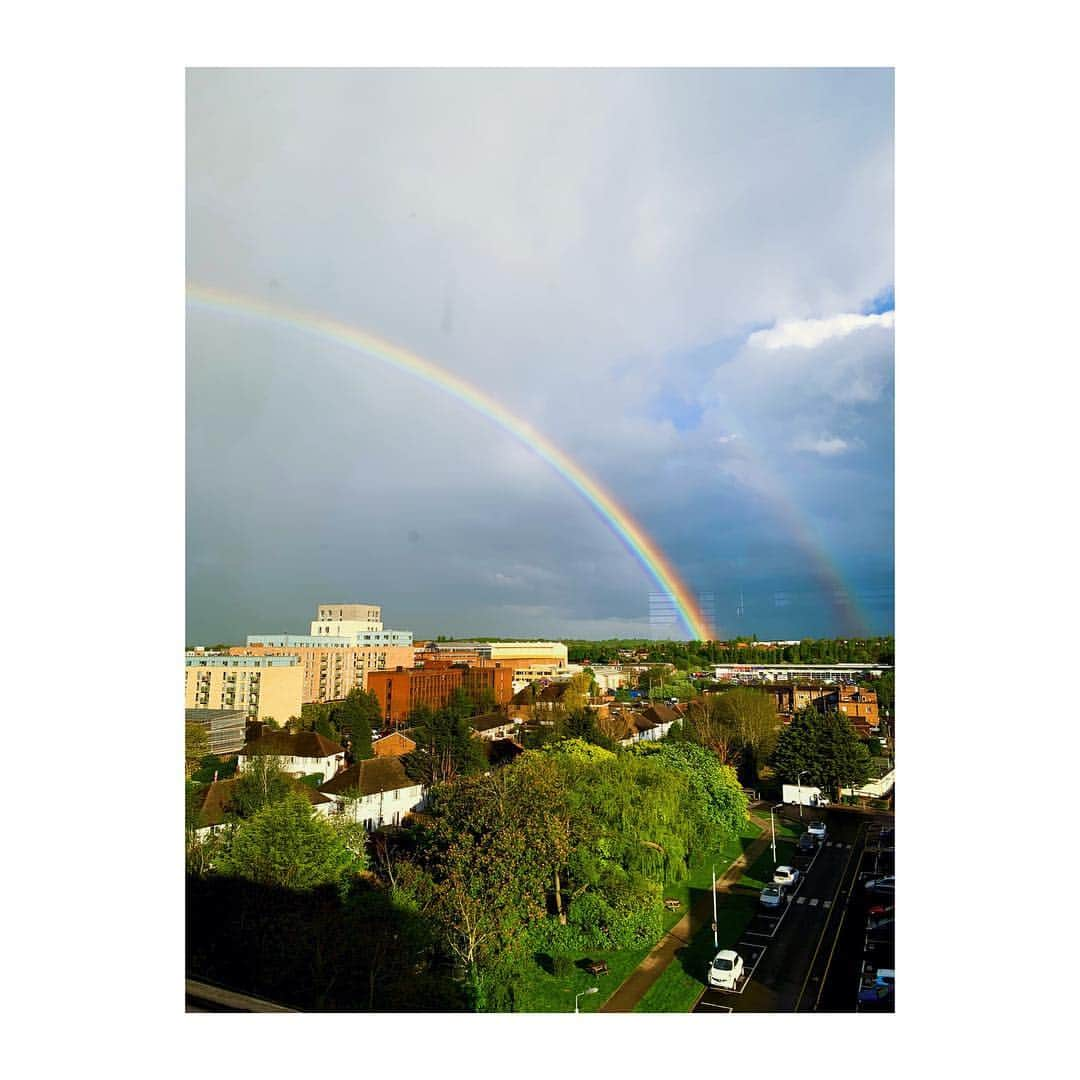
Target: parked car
x=807, y=844
x=772, y=895
x=817, y=830
x=785, y=875
x=726, y=969
x=880, y=922
x=880, y=988
x=879, y=909
x=886, y=885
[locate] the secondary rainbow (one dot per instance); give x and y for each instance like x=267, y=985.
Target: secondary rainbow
x=637, y=541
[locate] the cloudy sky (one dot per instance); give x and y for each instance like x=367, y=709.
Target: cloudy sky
x=682, y=278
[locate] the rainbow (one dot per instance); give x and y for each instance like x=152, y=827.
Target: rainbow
x=618, y=519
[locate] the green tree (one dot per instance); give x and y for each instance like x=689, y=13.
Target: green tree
x=445, y=745
x=357, y=716
x=262, y=783
x=196, y=747
x=826, y=747
x=752, y=715
x=286, y=844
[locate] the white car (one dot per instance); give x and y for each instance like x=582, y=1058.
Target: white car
x=726, y=969
x=785, y=875
x=772, y=895
x=817, y=830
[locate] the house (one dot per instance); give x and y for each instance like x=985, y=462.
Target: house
x=376, y=791
x=395, y=744
x=214, y=804
x=493, y=726
x=662, y=717
x=303, y=754
x=636, y=727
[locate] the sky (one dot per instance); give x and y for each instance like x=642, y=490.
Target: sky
x=683, y=278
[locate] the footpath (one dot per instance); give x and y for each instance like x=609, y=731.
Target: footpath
x=634, y=986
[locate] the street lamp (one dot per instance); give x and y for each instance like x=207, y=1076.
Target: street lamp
x=591, y=990
x=715, y=942
x=801, y=775
x=772, y=827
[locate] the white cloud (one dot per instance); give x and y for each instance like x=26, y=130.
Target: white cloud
x=827, y=446
x=809, y=333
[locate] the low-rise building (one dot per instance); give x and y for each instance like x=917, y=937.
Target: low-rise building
x=225, y=727
x=375, y=792
x=494, y=726
x=304, y=754
x=215, y=804
x=827, y=673
x=396, y=744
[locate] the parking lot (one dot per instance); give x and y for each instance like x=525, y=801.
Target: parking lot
x=779, y=948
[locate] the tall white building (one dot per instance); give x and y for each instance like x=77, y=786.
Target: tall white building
x=346, y=620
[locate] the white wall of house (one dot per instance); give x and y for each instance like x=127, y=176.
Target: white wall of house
x=384, y=807
x=304, y=766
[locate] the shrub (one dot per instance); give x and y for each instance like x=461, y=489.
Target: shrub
x=562, y=966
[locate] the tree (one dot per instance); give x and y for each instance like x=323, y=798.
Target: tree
x=713, y=727
x=751, y=714
x=826, y=748
x=445, y=746
x=262, y=783
x=196, y=747
x=357, y=716
x=286, y=844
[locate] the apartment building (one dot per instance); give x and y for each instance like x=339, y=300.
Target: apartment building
x=225, y=727
x=261, y=687
x=332, y=667
x=402, y=690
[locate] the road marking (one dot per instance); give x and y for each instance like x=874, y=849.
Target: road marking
x=826, y=903
x=721, y=1008
x=801, y=900
x=813, y=902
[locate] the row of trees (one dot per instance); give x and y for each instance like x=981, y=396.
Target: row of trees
x=698, y=655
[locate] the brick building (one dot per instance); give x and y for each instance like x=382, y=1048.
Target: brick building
x=402, y=690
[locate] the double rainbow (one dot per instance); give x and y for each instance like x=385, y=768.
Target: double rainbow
x=617, y=518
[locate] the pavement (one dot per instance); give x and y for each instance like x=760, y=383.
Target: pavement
x=634, y=987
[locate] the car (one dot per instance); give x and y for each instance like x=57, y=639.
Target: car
x=785, y=875
x=881, y=885
x=880, y=922
x=807, y=844
x=726, y=969
x=879, y=909
x=772, y=895
x=880, y=987
x=817, y=830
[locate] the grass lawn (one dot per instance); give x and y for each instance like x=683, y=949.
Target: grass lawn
x=681, y=984
x=540, y=991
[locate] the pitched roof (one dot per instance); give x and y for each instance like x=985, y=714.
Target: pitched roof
x=309, y=744
x=217, y=800
x=659, y=713
x=395, y=736
x=489, y=721
x=369, y=777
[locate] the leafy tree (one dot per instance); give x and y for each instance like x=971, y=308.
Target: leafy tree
x=445, y=745
x=826, y=747
x=262, y=783
x=715, y=786
x=357, y=716
x=714, y=728
x=286, y=844
x=196, y=747
x=751, y=714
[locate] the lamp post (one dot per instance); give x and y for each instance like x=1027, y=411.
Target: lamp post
x=715, y=942
x=591, y=990
x=772, y=827
x=801, y=775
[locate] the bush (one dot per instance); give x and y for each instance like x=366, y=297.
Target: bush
x=562, y=967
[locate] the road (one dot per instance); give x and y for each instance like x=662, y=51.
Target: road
x=790, y=955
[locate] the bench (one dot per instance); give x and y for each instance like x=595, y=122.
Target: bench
x=672, y=904
x=597, y=967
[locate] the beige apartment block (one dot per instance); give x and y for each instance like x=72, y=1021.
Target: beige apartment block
x=331, y=671
x=262, y=686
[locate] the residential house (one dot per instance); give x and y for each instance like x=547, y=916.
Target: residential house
x=395, y=744
x=303, y=754
x=376, y=792
x=215, y=804
x=495, y=725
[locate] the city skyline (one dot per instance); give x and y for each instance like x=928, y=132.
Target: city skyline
x=680, y=279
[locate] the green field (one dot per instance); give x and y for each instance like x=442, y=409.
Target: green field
x=540, y=991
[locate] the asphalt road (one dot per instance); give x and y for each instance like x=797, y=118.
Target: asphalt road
x=789, y=954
